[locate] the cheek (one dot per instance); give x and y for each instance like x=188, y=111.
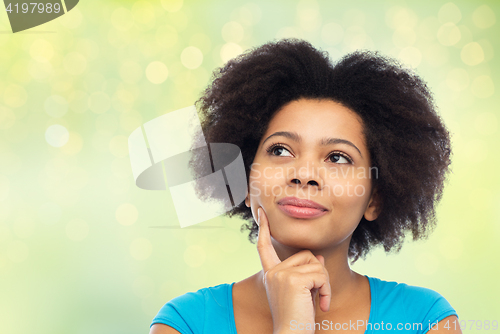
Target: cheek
x=348, y=187
x=263, y=183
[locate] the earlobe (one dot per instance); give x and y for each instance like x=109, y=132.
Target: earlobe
x=247, y=201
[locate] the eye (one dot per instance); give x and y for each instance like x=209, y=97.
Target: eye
x=278, y=150
x=339, y=158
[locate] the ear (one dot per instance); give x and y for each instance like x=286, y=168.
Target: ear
x=374, y=206
x=247, y=201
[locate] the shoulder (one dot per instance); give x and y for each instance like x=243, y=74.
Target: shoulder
x=190, y=312
x=404, y=302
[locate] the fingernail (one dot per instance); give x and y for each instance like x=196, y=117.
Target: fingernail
x=258, y=215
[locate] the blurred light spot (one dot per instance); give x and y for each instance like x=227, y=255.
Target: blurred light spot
x=179, y=20
x=487, y=49
x=24, y=226
x=56, y=135
x=74, y=63
x=141, y=249
x=172, y=5
x=449, y=12
x=248, y=14
x=481, y=199
x=194, y=256
x=15, y=96
x=77, y=229
x=7, y=118
x=99, y=102
x=121, y=168
x=233, y=32
x=486, y=123
x=19, y=71
x=143, y=13
x=191, y=57
x=106, y=124
x=436, y=55
x=458, y=79
x=130, y=121
x=410, y=56
x=287, y=32
x=143, y=286
x=126, y=214
x=428, y=28
x=94, y=82
x=100, y=142
x=332, y=33
x=451, y=247
x=56, y=106
x=403, y=37
x=157, y=72
x=483, y=86
x=193, y=237
x=88, y=48
x=130, y=71
x=397, y=17
x=71, y=19
x=49, y=213
x=472, y=54
x=230, y=51
x=448, y=34
x=356, y=38
x=17, y=251
x=166, y=36
x=118, y=146
x=78, y=101
x=353, y=17
x=121, y=19
x=40, y=71
x=308, y=15
x=465, y=37
x=229, y=241
x=41, y=51
x=4, y=188
x=426, y=263
x=483, y=17
x=62, y=84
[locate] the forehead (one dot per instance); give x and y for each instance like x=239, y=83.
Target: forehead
x=316, y=119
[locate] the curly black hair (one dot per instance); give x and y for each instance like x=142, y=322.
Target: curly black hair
x=406, y=138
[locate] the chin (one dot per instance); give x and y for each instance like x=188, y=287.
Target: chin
x=299, y=241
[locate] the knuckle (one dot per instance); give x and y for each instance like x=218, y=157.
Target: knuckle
x=292, y=278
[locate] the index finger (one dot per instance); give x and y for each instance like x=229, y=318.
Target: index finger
x=268, y=257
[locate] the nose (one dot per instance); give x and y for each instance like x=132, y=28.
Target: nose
x=305, y=175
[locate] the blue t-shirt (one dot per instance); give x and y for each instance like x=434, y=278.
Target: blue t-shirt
x=394, y=307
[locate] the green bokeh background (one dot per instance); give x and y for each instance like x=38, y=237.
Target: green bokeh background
x=83, y=250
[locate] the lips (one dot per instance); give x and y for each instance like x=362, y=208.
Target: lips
x=301, y=208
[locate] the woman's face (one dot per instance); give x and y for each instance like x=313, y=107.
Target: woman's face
x=313, y=150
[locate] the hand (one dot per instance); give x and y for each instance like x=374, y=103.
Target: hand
x=292, y=285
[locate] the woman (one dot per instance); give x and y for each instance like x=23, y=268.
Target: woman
x=340, y=158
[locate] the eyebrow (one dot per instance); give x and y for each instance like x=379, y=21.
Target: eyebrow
x=323, y=142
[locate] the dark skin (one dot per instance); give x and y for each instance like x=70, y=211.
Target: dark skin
x=324, y=172
x=305, y=261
